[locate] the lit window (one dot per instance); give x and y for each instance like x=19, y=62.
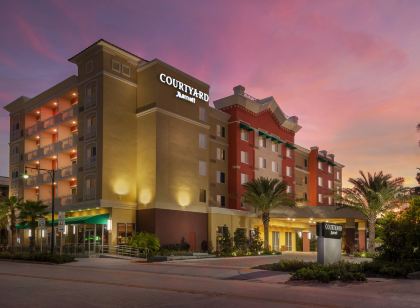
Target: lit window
x=338, y=175
x=320, y=165
x=320, y=181
x=289, y=171
x=330, y=186
x=274, y=166
x=202, y=168
x=220, y=200
x=263, y=163
x=330, y=169
x=289, y=189
x=244, y=178
x=288, y=152
x=202, y=141
x=329, y=200
x=263, y=142
x=275, y=147
x=220, y=154
x=244, y=135
x=320, y=198
x=244, y=157
x=220, y=130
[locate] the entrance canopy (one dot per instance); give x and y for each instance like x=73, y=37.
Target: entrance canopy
x=101, y=219
x=320, y=211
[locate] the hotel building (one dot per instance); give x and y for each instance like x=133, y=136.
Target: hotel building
x=136, y=146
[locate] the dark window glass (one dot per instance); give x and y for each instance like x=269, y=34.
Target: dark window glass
x=202, y=195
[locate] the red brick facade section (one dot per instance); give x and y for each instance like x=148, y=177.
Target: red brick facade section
x=264, y=121
x=315, y=172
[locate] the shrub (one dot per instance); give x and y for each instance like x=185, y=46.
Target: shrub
x=326, y=273
x=241, y=241
x=224, y=241
x=146, y=241
x=182, y=246
x=255, y=242
x=38, y=257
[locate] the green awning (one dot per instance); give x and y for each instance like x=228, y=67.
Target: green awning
x=322, y=159
x=264, y=134
x=290, y=146
x=246, y=127
x=331, y=163
x=101, y=219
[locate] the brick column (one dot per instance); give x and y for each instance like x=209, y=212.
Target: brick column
x=306, y=245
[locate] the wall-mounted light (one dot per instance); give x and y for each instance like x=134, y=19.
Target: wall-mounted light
x=109, y=225
x=74, y=94
x=42, y=233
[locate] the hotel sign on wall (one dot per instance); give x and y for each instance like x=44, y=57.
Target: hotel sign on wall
x=184, y=91
x=328, y=230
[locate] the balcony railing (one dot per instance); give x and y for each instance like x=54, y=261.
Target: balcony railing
x=52, y=121
x=16, y=134
x=45, y=178
x=52, y=148
x=90, y=162
x=90, y=194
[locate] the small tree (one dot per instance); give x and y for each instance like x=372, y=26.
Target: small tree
x=241, y=241
x=264, y=195
x=146, y=241
x=9, y=208
x=255, y=241
x=30, y=212
x=373, y=195
x=225, y=242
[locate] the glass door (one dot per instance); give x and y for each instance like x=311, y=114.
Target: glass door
x=275, y=240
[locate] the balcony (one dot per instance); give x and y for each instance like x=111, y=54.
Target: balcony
x=52, y=149
x=16, y=134
x=52, y=121
x=90, y=132
x=90, y=194
x=15, y=158
x=45, y=178
x=90, y=162
x=61, y=201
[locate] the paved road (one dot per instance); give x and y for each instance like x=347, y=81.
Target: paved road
x=203, y=283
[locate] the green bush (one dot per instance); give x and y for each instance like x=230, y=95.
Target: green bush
x=255, y=242
x=241, y=242
x=38, y=257
x=326, y=273
x=224, y=240
x=286, y=265
x=146, y=241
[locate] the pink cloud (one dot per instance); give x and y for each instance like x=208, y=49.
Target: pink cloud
x=36, y=41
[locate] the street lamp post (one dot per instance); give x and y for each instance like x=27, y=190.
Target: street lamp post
x=51, y=172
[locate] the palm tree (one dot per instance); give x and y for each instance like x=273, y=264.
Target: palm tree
x=9, y=207
x=29, y=213
x=373, y=195
x=264, y=195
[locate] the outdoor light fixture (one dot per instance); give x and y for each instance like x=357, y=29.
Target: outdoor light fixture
x=74, y=94
x=109, y=225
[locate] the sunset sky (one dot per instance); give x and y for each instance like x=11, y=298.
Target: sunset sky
x=350, y=70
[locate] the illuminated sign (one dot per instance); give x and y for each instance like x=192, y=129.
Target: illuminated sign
x=329, y=230
x=184, y=91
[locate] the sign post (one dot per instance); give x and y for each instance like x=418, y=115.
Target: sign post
x=329, y=242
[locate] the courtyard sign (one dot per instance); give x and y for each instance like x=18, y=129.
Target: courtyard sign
x=184, y=91
x=328, y=230
x=329, y=242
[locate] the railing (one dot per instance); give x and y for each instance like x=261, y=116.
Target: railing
x=90, y=162
x=66, y=200
x=52, y=148
x=45, y=178
x=51, y=121
x=66, y=172
x=90, y=194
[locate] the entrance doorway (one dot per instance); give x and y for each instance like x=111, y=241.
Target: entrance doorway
x=275, y=240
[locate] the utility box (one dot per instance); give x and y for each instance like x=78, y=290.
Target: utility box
x=329, y=242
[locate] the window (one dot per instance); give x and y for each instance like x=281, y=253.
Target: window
x=91, y=153
x=126, y=70
x=202, y=116
x=320, y=198
x=220, y=130
x=263, y=162
x=330, y=186
x=244, y=135
x=320, y=165
x=244, y=157
x=15, y=174
x=305, y=162
x=220, y=154
x=329, y=200
x=221, y=200
x=306, y=179
x=320, y=181
x=289, y=171
x=244, y=178
x=338, y=175
x=90, y=187
x=116, y=66
x=289, y=189
x=202, y=168
x=274, y=166
x=263, y=142
x=91, y=94
x=305, y=196
x=220, y=177
x=288, y=152
x=275, y=147
x=276, y=240
x=203, y=195
x=202, y=141
x=330, y=169
x=124, y=232
x=288, y=240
